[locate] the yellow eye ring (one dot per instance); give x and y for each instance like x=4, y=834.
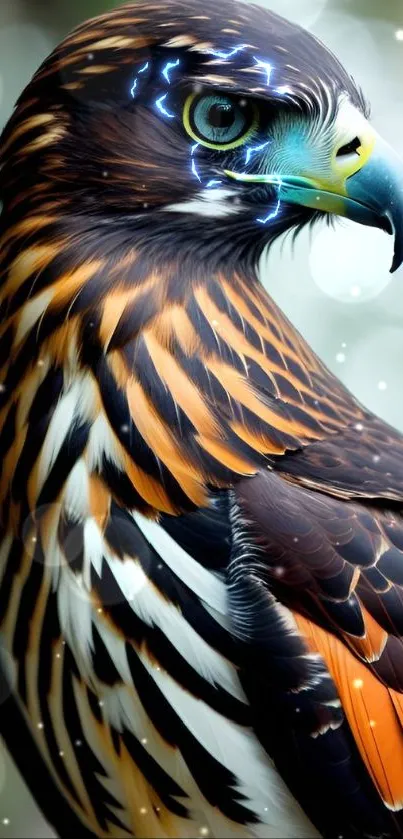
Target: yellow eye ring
x=239, y=141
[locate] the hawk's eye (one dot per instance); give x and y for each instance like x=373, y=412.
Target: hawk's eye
x=219, y=121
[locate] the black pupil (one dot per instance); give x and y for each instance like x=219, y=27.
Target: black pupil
x=221, y=115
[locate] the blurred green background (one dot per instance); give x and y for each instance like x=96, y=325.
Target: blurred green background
x=335, y=286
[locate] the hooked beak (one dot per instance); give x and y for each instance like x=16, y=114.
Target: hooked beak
x=372, y=194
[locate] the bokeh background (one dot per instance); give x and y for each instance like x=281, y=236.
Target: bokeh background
x=335, y=285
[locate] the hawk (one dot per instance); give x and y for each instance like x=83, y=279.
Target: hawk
x=201, y=528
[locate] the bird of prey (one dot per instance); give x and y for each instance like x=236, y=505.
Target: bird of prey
x=201, y=528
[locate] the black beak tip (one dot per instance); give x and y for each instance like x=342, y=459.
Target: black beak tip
x=394, y=228
x=398, y=251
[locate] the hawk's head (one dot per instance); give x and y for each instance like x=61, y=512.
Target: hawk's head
x=220, y=124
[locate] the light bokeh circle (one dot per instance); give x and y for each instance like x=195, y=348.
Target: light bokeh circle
x=351, y=263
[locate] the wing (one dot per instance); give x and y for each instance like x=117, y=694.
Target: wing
x=337, y=566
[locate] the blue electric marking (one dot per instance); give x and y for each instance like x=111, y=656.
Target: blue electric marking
x=134, y=85
x=227, y=55
x=271, y=215
x=250, y=151
x=213, y=183
x=168, y=67
x=161, y=107
x=268, y=68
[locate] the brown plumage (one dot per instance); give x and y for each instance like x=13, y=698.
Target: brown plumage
x=201, y=545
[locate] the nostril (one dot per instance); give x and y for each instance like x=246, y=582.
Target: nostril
x=350, y=148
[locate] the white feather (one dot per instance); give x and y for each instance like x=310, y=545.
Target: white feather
x=207, y=586
x=208, y=202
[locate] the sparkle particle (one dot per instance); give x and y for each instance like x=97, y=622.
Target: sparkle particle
x=382, y=385
x=144, y=741
x=340, y=357
x=5, y=821
x=399, y=34
x=143, y=811
x=358, y=684
x=204, y=831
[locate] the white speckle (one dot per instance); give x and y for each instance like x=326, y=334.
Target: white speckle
x=2, y=388
x=204, y=831
x=298, y=710
x=399, y=34
x=5, y=821
x=144, y=741
x=340, y=357
x=100, y=703
x=145, y=205
x=78, y=743
x=90, y=56
x=57, y=655
x=355, y=291
x=124, y=429
x=266, y=809
x=61, y=753
x=382, y=385
x=295, y=539
x=358, y=684
x=40, y=725
x=214, y=323
x=372, y=723
x=99, y=611
x=105, y=173
x=344, y=345
x=376, y=458
x=278, y=571
x=143, y=811
x=359, y=426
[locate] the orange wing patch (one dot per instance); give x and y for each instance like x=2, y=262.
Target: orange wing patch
x=374, y=712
